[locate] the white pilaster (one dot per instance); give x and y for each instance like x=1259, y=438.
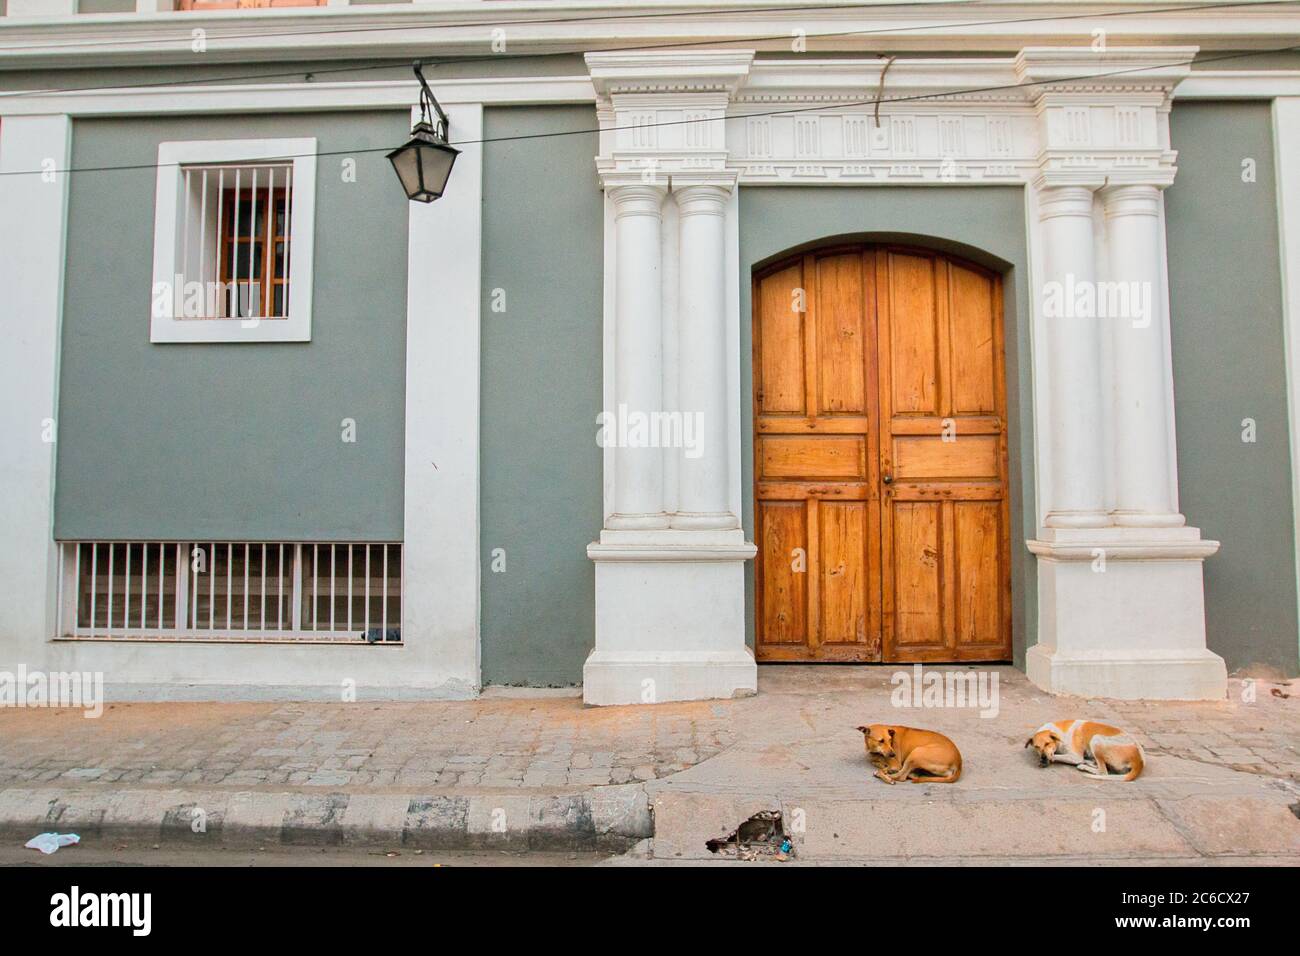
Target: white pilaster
x=638, y=338
x=1074, y=356
x=1286, y=151
x=703, y=488
x=1121, y=596
x=670, y=587
x=440, y=552
x=1145, y=480
x=33, y=223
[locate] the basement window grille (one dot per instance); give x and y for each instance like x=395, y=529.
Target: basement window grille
x=240, y=591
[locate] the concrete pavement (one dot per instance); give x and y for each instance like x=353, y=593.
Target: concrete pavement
x=545, y=773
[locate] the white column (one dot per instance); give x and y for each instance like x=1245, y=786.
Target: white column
x=1144, y=467
x=33, y=220
x=702, y=358
x=670, y=588
x=1120, y=592
x=638, y=344
x=1074, y=356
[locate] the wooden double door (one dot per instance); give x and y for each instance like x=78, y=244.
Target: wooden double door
x=880, y=459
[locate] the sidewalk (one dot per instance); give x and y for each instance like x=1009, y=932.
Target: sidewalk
x=548, y=773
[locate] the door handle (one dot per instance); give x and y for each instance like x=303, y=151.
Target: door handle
x=888, y=479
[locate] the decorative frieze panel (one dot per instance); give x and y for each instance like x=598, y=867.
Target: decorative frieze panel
x=847, y=146
x=1053, y=115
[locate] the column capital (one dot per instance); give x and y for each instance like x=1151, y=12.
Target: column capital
x=703, y=197
x=1132, y=199
x=1064, y=200
x=636, y=198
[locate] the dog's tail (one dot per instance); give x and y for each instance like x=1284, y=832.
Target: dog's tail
x=1137, y=766
x=953, y=776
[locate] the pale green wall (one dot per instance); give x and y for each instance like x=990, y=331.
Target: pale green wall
x=543, y=234
x=240, y=441
x=1229, y=365
x=985, y=224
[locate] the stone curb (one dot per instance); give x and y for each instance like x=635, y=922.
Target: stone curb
x=605, y=818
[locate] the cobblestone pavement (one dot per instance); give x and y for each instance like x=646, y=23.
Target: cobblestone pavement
x=492, y=743
x=558, y=744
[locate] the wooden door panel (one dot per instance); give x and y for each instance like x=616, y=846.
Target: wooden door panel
x=841, y=332
x=926, y=456
x=780, y=377
x=798, y=457
x=944, y=514
x=843, y=529
x=974, y=369
x=817, y=452
x=913, y=358
x=977, y=529
x=783, y=536
x=918, y=573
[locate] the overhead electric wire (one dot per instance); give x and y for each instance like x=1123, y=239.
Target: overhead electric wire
x=391, y=62
x=592, y=131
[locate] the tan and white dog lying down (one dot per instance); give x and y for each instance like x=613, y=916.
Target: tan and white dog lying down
x=1078, y=741
x=899, y=752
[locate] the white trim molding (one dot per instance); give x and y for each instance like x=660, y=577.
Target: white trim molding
x=1286, y=147
x=178, y=211
x=440, y=573
x=32, y=245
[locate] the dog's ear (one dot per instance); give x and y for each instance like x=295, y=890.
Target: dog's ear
x=863, y=728
x=891, y=733
x=1029, y=741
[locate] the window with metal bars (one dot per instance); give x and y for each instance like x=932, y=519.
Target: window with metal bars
x=230, y=591
x=233, y=237
x=235, y=241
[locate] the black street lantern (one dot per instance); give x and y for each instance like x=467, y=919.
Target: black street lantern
x=424, y=163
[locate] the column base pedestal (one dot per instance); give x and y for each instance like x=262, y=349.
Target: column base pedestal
x=1122, y=615
x=670, y=618
x=1198, y=677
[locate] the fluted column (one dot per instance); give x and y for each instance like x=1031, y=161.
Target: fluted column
x=702, y=356
x=638, y=354
x=1074, y=361
x=1144, y=478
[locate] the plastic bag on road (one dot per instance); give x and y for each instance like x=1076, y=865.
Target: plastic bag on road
x=47, y=843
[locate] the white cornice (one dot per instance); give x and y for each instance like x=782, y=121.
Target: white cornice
x=1082, y=68
x=459, y=27
x=1238, y=84
x=669, y=71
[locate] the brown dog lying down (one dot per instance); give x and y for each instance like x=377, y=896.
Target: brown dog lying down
x=1078, y=741
x=899, y=752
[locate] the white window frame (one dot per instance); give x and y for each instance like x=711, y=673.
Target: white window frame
x=172, y=157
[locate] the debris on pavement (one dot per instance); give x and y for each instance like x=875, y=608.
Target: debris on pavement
x=761, y=836
x=48, y=843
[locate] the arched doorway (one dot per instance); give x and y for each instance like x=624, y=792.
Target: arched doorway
x=880, y=458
